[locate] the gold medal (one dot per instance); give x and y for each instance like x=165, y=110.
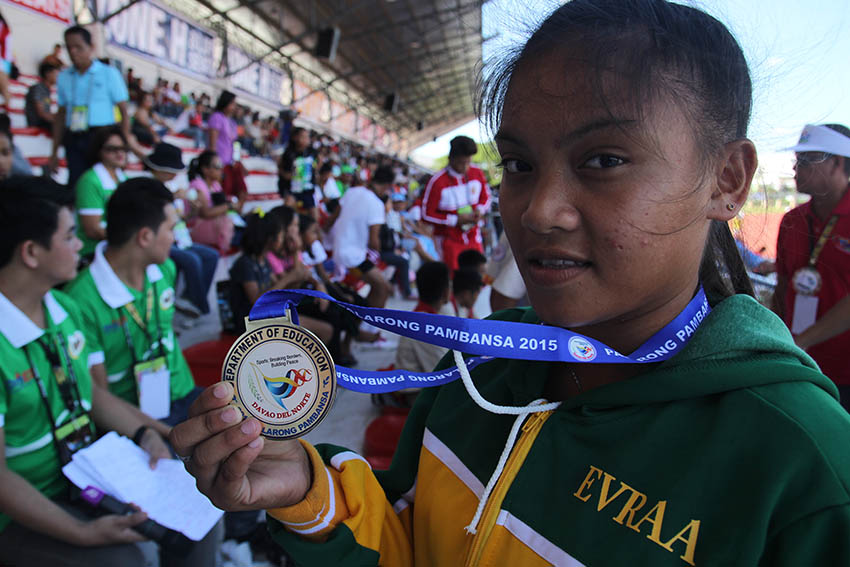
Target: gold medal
x=282, y=375
x=807, y=281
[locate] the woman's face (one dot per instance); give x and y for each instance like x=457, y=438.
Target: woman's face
x=605, y=209
x=6, y=156
x=114, y=153
x=230, y=109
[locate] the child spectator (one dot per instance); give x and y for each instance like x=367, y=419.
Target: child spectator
x=466, y=285
x=37, y=106
x=197, y=262
x=212, y=225
x=252, y=275
x=432, y=283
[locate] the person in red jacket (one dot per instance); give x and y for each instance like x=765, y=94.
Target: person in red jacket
x=455, y=200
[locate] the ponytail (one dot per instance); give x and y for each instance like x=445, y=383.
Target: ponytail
x=203, y=160
x=722, y=271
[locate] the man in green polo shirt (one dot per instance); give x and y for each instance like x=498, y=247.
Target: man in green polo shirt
x=47, y=403
x=127, y=299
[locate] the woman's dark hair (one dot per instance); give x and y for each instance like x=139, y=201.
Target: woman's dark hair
x=661, y=49
x=224, y=99
x=29, y=210
x=99, y=141
x=203, y=160
x=260, y=229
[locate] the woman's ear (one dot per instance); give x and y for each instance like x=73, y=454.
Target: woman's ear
x=733, y=179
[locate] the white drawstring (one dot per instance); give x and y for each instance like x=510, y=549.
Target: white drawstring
x=521, y=413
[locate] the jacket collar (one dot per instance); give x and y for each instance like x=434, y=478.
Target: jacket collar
x=109, y=286
x=20, y=329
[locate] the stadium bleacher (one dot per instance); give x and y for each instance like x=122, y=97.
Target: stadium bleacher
x=35, y=144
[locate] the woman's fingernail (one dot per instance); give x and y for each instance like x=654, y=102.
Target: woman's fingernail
x=229, y=415
x=221, y=391
x=247, y=427
x=256, y=443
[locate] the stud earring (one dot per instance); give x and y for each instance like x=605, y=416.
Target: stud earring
x=730, y=206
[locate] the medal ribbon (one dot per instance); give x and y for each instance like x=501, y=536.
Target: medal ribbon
x=487, y=339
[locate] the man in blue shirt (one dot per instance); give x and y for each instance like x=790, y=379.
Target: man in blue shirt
x=88, y=92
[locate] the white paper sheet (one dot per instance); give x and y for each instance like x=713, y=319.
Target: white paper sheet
x=168, y=493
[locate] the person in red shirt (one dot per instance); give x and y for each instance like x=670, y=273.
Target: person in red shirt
x=455, y=200
x=813, y=249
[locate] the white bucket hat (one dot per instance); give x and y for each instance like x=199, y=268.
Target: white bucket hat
x=822, y=139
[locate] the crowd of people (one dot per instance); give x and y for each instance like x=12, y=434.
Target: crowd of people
x=728, y=451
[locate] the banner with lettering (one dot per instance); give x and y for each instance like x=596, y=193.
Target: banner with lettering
x=62, y=10
x=155, y=32
x=254, y=77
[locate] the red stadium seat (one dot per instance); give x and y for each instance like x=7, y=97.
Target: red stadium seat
x=205, y=359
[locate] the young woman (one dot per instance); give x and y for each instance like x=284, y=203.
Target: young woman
x=212, y=226
x=252, y=275
x=622, y=130
x=107, y=159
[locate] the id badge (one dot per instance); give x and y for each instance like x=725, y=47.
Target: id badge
x=79, y=119
x=154, y=380
x=805, y=312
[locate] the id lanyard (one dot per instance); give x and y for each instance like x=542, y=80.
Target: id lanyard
x=71, y=104
x=817, y=247
x=143, y=324
x=68, y=389
x=486, y=339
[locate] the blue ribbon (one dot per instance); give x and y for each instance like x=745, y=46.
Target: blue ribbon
x=488, y=339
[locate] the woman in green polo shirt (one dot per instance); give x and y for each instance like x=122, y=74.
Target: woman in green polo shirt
x=107, y=157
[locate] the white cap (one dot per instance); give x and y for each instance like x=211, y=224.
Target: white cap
x=822, y=139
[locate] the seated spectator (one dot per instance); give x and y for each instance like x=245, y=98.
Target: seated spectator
x=37, y=106
x=466, y=285
x=12, y=162
x=43, y=336
x=473, y=260
x=132, y=279
x=356, y=234
x=54, y=58
x=212, y=224
x=432, y=283
x=144, y=119
x=251, y=274
x=196, y=262
x=252, y=141
x=108, y=157
x=195, y=124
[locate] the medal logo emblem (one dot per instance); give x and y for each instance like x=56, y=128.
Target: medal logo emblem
x=282, y=375
x=581, y=349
